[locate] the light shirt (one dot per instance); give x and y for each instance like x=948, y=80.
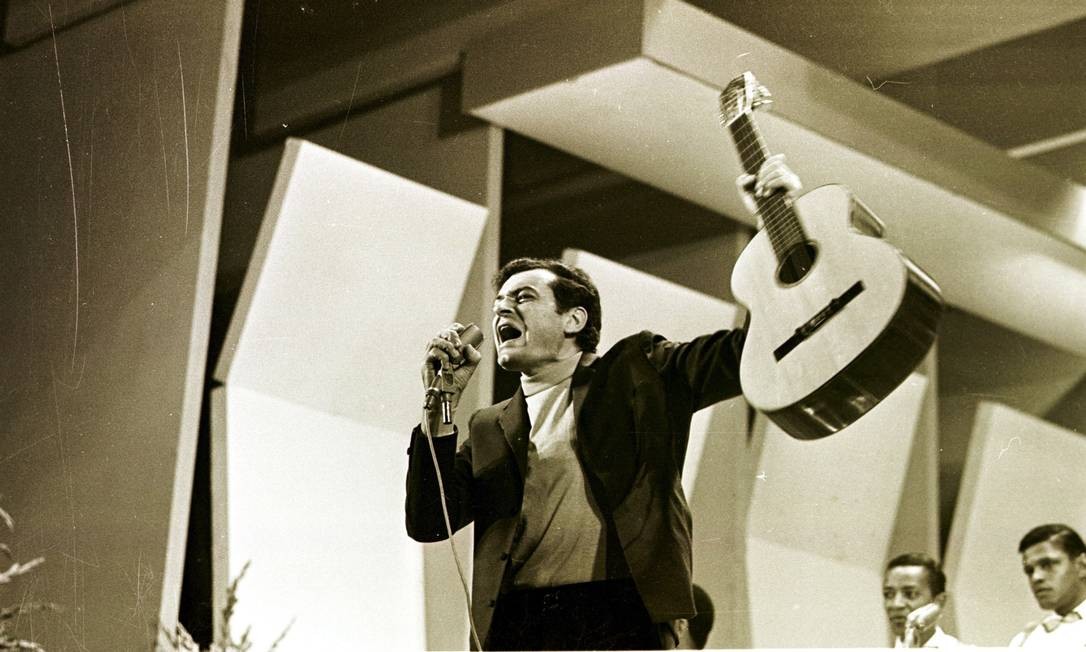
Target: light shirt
x=561, y=537
x=1065, y=635
x=939, y=640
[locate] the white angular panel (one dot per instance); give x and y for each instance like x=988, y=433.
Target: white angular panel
x=315, y=506
x=1021, y=472
x=820, y=524
x=353, y=271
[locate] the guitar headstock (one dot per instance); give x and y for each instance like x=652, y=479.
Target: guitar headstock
x=742, y=95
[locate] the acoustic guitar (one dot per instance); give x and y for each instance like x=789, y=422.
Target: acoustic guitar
x=838, y=317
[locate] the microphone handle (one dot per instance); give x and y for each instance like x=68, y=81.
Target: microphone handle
x=470, y=336
x=910, y=636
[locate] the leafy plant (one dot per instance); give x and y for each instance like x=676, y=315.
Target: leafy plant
x=182, y=640
x=9, y=641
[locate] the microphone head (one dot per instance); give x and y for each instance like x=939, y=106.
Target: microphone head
x=471, y=335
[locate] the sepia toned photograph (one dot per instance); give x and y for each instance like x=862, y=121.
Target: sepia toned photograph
x=542, y=325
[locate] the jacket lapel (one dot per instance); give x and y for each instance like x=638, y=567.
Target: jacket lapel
x=515, y=425
x=579, y=384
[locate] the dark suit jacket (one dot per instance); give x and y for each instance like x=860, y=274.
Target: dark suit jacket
x=632, y=432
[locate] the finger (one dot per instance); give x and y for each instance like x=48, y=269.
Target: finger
x=773, y=160
x=785, y=179
x=471, y=354
x=428, y=374
x=779, y=177
x=452, y=338
x=772, y=165
x=453, y=330
x=775, y=179
x=450, y=335
x=441, y=351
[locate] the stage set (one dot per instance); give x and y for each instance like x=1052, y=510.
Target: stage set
x=222, y=269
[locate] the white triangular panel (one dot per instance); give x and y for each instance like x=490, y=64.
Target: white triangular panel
x=354, y=270
x=820, y=523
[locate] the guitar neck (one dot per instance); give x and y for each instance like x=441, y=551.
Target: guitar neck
x=780, y=221
x=749, y=143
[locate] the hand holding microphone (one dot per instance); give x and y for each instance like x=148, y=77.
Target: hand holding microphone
x=451, y=359
x=920, y=620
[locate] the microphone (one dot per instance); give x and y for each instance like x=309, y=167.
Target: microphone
x=918, y=620
x=470, y=336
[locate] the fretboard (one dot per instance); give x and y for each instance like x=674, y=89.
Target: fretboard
x=780, y=221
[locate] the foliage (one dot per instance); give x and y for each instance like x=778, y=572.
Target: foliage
x=8, y=614
x=182, y=640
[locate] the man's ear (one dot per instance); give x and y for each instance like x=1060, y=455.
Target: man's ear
x=940, y=600
x=575, y=320
x=1080, y=566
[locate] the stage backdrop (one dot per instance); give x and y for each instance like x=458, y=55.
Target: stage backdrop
x=354, y=270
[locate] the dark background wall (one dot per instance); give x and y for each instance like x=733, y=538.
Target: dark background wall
x=113, y=159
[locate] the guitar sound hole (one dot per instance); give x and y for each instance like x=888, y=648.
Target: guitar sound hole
x=797, y=262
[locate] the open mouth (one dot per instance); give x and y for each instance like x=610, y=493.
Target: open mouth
x=507, y=332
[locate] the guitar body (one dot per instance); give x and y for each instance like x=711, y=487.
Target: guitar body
x=823, y=349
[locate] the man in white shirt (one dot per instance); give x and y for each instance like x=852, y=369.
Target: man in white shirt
x=914, y=593
x=1054, y=561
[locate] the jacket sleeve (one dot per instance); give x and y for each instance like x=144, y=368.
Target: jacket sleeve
x=707, y=366
x=424, y=517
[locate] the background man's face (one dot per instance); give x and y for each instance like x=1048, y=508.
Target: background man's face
x=1055, y=578
x=904, y=589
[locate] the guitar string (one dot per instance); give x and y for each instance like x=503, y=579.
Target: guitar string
x=782, y=227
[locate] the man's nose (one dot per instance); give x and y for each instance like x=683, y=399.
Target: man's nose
x=502, y=306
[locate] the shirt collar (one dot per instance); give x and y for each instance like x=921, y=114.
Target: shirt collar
x=554, y=373
x=1081, y=609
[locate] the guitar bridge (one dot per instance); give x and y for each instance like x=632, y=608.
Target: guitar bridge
x=804, y=331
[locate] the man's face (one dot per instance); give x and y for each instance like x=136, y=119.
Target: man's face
x=1057, y=581
x=904, y=589
x=528, y=329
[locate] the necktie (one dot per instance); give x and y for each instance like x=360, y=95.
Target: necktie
x=1055, y=620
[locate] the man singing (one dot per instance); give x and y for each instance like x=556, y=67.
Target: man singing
x=582, y=531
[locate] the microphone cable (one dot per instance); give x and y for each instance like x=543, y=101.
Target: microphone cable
x=445, y=513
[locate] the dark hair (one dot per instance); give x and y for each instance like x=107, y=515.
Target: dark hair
x=573, y=288
x=701, y=624
x=1059, y=534
x=936, y=578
